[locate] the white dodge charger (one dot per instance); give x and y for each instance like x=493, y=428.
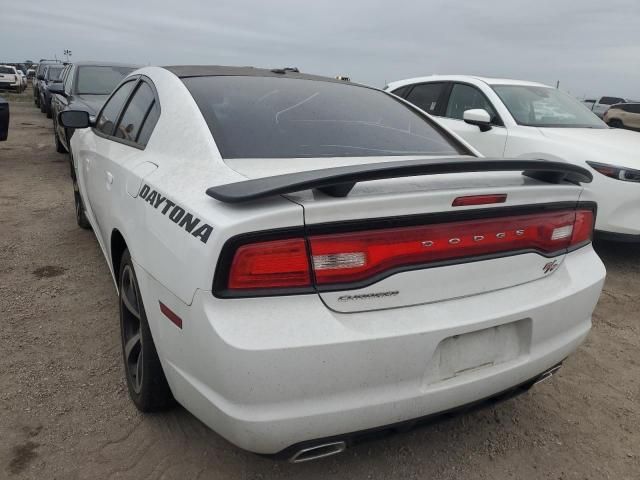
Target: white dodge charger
x=302, y=261
x=518, y=119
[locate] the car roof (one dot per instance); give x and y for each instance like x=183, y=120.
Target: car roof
x=463, y=78
x=84, y=63
x=189, y=71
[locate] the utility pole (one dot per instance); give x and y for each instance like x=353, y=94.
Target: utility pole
x=67, y=54
x=557, y=84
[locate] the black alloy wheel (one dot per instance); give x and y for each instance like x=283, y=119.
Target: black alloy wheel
x=146, y=382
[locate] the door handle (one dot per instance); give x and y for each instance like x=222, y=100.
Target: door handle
x=109, y=178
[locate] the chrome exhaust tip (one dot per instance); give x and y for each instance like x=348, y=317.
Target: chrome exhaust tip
x=547, y=375
x=318, y=451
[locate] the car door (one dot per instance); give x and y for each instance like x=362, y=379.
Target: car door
x=61, y=102
x=94, y=166
x=463, y=97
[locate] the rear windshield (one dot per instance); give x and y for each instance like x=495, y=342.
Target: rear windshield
x=54, y=73
x=267, y=117
x=99, y=80
x=6, y=70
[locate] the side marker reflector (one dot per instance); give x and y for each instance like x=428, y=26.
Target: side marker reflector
x=479, y=200
x=175, y=319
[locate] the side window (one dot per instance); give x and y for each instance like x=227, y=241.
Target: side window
x=401, y=91
x=149, y=124
x=465, y=97
x=63, y=75
x=633, y=108
x=427, y=96
x=136, y=113
x=109, y=114
x=67, y=80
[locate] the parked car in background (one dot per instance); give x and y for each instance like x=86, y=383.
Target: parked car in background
x=601, y=106
x=52, y=73
x=83, y=86
x=511, y=118
x=623, y=115
x=23, y=80
x=10, y=79
x=31, y=74
x=589, y=103
x=281, y=277
x=39, y=76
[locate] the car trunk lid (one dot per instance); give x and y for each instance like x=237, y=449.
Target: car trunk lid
x=396, y=242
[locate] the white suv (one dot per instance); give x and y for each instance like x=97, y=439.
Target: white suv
x=10, y=79
x=517, y=119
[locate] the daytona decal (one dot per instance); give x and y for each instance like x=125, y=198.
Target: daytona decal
x=176, y=213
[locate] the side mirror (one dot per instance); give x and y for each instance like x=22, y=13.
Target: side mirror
x=478, y=117
x=4, y=119
x=74, y=119
x=57, y=87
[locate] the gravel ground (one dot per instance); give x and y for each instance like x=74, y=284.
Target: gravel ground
x=65, y=414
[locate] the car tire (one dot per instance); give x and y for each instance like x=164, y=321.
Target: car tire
x=146, y=382
x=616, y=123
x=81, y=213
x=59, y=147
x=47, y=110
x=43, y=108
x=36, y=100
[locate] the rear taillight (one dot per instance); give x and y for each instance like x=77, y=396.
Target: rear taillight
x=340, y=259
x=479, y=200
x=382, y=251
x=274, y=264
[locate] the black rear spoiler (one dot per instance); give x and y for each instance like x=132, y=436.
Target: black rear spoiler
x=338, y=181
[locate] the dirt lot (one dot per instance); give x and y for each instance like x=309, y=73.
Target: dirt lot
x=65, y=414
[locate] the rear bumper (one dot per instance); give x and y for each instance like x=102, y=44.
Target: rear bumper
x=618, y=207
x=271, y=373
x=354, y=438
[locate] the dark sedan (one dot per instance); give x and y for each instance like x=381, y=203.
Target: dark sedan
x=83, y=86
x=51, y=74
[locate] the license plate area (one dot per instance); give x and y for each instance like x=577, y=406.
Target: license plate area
x=466, y=353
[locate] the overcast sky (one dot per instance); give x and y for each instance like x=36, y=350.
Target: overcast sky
x=591, y=46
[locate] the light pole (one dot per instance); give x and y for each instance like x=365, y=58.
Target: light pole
x=67, y=54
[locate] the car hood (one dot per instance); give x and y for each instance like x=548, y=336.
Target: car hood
x=89, y=103
x=608, y=145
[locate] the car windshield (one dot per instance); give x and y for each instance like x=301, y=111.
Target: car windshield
x=267, y=117
x=546, y=107
x=54, y=73
x=99, y=80
x=6, y=70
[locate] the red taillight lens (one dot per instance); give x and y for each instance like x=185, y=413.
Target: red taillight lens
x=583, y=227
x=274, y=264
x=360, y=256
x=354, y=257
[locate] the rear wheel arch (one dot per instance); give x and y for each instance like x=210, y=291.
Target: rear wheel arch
x=118, y=247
